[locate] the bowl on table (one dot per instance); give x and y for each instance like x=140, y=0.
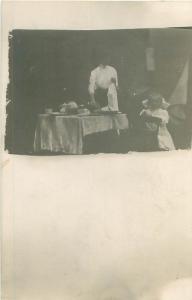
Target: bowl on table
x=93, y=107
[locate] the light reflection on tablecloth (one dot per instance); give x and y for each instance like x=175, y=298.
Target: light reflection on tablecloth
x=65, y=133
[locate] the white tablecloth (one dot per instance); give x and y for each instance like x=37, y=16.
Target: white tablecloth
x=65, y=133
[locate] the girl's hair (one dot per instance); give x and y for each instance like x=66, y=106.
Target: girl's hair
x=154, y=96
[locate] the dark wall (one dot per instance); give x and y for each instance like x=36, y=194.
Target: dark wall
x=172, y=49
x=44, y=63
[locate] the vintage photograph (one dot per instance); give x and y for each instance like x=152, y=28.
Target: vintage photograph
x=96, y=150
x=99, y=91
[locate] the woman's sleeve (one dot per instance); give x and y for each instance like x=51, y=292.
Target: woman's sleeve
x=116, y=78
x=92, y=81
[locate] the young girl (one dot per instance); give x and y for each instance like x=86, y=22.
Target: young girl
x=155, y=107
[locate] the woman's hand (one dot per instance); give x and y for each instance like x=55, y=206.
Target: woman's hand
x=92, y=100
x=113, y=80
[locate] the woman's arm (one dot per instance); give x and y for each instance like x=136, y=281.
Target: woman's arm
x=91, y=88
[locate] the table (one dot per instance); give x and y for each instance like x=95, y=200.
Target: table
x=61, y=133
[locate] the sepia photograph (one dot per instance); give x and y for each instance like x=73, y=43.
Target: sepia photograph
x=96, y=119
x=99, y=91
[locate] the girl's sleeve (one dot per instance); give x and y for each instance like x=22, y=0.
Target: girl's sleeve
x=147, y=112
x=164, y=117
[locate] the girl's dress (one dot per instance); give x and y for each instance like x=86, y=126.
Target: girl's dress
x=164, y=138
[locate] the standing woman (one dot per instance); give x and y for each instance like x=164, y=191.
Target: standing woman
x=103, y=85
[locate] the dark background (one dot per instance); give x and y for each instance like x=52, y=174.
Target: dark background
x=47, y=68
